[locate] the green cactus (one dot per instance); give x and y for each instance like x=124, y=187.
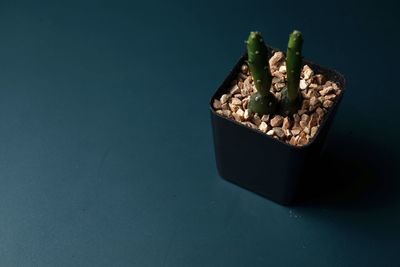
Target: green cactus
x=291, y=97
x=263, y=101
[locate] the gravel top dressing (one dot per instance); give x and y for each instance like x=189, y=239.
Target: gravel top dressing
x=318, y=95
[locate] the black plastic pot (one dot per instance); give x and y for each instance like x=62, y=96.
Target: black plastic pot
x=262, y=164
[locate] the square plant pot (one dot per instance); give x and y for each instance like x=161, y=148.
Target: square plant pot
x=264, y=165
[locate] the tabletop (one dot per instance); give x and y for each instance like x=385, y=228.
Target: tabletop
x=106, y=155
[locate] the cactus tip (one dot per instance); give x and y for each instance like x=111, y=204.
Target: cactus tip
x=255, y=35
x=296, y=33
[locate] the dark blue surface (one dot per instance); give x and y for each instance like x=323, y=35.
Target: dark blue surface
x=106, y=154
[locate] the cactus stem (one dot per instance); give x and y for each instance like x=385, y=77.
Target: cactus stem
x=291, y=97
x=262, y=102
x=293, y=64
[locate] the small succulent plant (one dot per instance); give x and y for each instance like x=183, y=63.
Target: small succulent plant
x=263, y=101
x=291, y=97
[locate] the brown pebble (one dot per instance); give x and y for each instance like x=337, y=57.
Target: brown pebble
x=240, y=84
x=235, y=89
x=270, y=132
x=249, y=124
x=313, y=120
x=286, y=123
x=307, y=72
x=314, y=131
x=327, y=104
x=245, y=102
x=330, y=97
x=224, y=98
x=306, y=104
x=306, y=94
x=305, y=117
x=226, y=112
x=275, y=59
x=236, y=101
x=278, y=79
x=314, y=101
x=233, y=108
x=256, y=120
x=302, y=139
x=293, y=140
x=304, y=120
x=279, y=75
x=247, y=89
x=263, y=127
x=276, y=121
x=279, y=86
x=279, y=132
x=319, y=79
x=326, y=90
x=303, y=84
x=265, y=118
x=240, y=112
x=217, y=104
x=237, y=117
x=320, y=112
x=296, y=131
x=247, y=114
x=302, y=111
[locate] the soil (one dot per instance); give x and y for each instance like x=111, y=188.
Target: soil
x=319, y=94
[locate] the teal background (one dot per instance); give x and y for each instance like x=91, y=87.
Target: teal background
x=106, y=155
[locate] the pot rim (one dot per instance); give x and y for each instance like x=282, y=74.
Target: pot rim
x=234, y=70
